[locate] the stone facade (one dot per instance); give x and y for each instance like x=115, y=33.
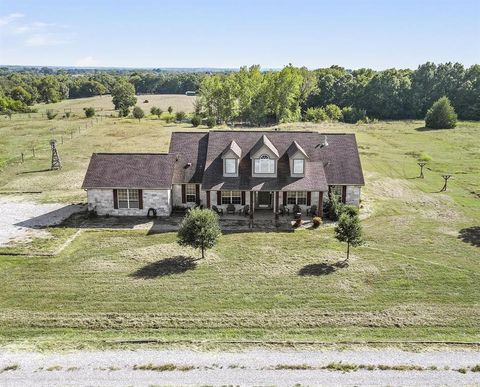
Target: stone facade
x=101, y=200
x=353, y=195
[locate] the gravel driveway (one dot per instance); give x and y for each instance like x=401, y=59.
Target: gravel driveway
x=258, y=367
x=22, y=219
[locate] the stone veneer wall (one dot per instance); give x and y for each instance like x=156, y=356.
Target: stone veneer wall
x=102, y=201
x=353, y=195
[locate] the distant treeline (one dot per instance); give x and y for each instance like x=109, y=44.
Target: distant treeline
x=262, y=97
x=296, y=93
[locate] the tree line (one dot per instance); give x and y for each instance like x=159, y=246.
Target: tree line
x=253, y=96
x=256, y=97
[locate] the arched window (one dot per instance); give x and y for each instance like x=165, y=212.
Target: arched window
x=264, y=164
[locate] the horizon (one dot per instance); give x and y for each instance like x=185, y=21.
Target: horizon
x=223, y=35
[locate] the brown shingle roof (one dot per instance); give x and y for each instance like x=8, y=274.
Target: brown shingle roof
x=191, y=150
x=130, y=170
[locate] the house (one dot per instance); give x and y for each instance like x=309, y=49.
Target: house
x=264, y=170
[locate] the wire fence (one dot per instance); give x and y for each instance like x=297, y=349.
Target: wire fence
x=61, y=135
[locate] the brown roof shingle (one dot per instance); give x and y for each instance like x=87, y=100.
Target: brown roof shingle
x=130, y=170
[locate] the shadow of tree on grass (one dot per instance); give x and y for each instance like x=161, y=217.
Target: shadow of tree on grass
x=168, y=266
x=470, y=235
x=318, y=269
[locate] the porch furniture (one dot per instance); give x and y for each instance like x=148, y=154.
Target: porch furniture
x=219, y=211
x=297, y=215
x=284, y=210
x=296, y=208
x=245, y=211
x=312, y=210
x=231, y=209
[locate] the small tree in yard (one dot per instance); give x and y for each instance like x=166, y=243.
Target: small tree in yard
x=211, y=122
x=89, y=112
x=138, y=113
x=199, y=229
x=196, y=120
x=441, y=115
x=156, y=111
x=349, y=230
x=180, y=116
x=170, y=109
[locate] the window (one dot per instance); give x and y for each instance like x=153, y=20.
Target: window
x=128, y=198
x=191, y=193
x=297, y=197
x=264, y=165
x=231, y=197
x=298, y=166
x=230, y=166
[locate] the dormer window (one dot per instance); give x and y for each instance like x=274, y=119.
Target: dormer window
x=264, y=164
x=298, y=166
x=230, y=166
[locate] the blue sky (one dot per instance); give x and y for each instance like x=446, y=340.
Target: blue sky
x=213, y=33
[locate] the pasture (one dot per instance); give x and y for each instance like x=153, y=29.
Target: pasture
x=416, y=278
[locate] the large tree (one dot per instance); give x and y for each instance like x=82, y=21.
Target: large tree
x=199, y=229
x=123, y=95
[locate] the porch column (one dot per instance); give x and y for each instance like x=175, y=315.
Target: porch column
x=208, y=199
x=320, y=204
x=277, y=198
x=252, y=202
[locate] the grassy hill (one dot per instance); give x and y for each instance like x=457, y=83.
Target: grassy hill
x=416, y=278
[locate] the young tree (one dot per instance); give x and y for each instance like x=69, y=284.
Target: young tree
x=211, y=122
x=138, y=113
x=196, y=121
x=349, y=230
x=199, y=229
x=89, y=112
x=180, y=116
x=123, y=95
x=441, y=115
x=156, y=111
x=170, y=109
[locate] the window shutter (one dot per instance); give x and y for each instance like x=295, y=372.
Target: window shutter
x=140, y=199
x=309, y=198
x=219, y=197
x=208, y=199
x=344, y=194
x=184, y=194
x=115, y=199
x=197, y=193
x=243, y=198
x=284, y=197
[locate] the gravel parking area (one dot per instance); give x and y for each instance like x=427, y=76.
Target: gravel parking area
x=23, y=219
x=253, y=367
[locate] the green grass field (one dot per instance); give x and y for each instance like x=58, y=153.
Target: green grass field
x=416, y=278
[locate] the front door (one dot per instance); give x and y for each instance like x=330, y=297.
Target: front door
x=264, y=199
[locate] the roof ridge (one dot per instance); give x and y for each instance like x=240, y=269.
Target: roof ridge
x=134, y=153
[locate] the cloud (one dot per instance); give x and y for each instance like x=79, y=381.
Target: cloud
x=87, y=61
x=5, y=20
x=44, y=39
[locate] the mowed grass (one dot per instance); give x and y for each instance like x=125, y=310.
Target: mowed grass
x=416, y=278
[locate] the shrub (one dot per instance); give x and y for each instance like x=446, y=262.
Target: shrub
x=211, y=122
x=67, y=114
x=89, y=112
x=424, y=157
x=51, y=115
x=353, y=115
x=138, y=113
x=441, y=115
x=347, y=209
x=317, y=221
x=170, y=109
x=155, y=111
x=333, y=112
x=298, y=223
x=123, y=112
x=334, y=207
x=180, y=116
x=168, y=117
x=316, y=114
x=146, y=101
x=196, y=121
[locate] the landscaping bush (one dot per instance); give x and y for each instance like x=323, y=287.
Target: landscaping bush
x=180, y=116
x=196, y=121
x=89, y=112
x=123, y=112
x=211, y=122
x=138, y=113
x=334, y=207
x=441, y=115
x=298, y=223
x=316, y=221
x=155, y=111
x=168, y=117
x=348, y=209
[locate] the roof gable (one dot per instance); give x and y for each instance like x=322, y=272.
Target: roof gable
x=261, y=143
x=296, y=148
x=232, y=148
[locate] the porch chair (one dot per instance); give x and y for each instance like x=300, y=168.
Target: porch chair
x=296, y=208
x=231, y=209
x=284, y=210
x=245, y=211
x=312, y=210
x=219, y=211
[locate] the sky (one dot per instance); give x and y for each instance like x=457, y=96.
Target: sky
x=354, y=34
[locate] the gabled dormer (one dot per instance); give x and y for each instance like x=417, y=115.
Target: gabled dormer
x=264, y=157
x=297, y=159
x=231, y=159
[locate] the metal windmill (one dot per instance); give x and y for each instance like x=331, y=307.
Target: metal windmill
x=56, y=163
